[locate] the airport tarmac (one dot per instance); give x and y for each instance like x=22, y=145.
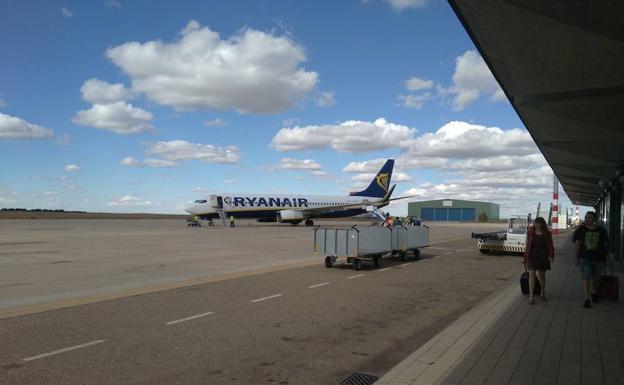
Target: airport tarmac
x=275, y=324
x=43, y=261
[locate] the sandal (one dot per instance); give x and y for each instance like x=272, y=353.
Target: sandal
x=531, y=301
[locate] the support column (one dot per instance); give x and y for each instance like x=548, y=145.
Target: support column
x=615, y=220
x=555, y=207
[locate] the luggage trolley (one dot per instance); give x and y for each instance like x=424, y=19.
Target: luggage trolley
x=408, y=240
x=356, y=244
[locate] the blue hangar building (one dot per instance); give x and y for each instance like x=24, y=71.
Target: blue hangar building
x=453, y=210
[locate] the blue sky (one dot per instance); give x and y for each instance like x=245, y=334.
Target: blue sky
x=143, y=106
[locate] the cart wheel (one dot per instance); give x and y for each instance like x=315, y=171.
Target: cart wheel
x=416, y=254
x=484, y=251
x=329, y=262
x=378, y=261
x=403, y=256
x=357, y=264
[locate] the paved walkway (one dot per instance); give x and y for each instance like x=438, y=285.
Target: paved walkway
x=504, y=340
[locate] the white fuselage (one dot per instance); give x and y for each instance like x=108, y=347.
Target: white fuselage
x=267, y=206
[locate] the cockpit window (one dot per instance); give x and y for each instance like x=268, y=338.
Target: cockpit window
x=201, y=201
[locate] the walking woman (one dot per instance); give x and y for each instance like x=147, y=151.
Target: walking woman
x=539, y=254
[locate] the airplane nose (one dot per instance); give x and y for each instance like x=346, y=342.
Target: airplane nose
x=189, y=209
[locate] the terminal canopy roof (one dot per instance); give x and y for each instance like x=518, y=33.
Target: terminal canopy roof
x=561, y=64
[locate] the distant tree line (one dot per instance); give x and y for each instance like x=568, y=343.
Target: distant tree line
x=40, y=210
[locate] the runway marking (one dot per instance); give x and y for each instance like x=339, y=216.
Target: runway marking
x=189, y=318
x=355, y=276
x=462, y=250
x=269, y=297
x=405, y=264
x=385, y=269
x=438, y=248
x=448, y=253
x=318, y=285
x=63, y=350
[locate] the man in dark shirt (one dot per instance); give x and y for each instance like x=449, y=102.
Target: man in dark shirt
x=592, y=246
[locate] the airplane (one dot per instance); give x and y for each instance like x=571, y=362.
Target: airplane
x=293, y=209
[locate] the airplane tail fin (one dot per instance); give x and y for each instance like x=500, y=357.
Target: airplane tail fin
x=378, y=188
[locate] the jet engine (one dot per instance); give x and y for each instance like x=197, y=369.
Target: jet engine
x=290, y=216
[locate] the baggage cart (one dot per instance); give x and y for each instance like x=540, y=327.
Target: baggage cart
x=408, y=239
x=357, y=244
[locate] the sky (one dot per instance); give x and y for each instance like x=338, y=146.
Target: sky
x=145, y=106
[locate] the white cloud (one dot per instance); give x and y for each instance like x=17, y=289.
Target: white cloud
x=413, y=161
x=462, y=140
x=252, y=71
x=15, y=128
x=72, y=168
x=112, y=4
x=130, y=162
x=415, y=101
x=229, y=181
x=417, y=84
x=366, y=178
x=472, y=78
x=326, y=99
x=367, y=166
x=500, y=163
x=100, y=92
x=218, y=122
x=201, y=189
x=400, y=177
x=66, y=12
x=3, y=102
x=319, y=173
x=177, y=150
x=400, y=5
x=128, y=200
x=118, y=117
x=297, y=164
x=151, y=162
x=351, y=136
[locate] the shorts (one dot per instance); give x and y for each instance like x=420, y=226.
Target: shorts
x=590, y=269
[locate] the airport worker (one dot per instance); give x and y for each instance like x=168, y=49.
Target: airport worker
x=592, y=247
x=539, y=254
x=231, y=220
x=409, y=221
x=416, y=221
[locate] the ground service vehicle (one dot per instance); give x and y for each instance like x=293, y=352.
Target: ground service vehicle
x=511, y=241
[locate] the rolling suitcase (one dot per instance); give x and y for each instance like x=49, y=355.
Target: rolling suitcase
x=524, y=283
x=609, y=285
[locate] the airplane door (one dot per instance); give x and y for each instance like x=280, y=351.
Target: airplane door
x=216, y=201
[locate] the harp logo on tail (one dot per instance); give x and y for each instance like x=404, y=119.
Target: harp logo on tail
x=382, y=180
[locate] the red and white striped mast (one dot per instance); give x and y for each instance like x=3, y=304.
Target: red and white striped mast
x=555, y=207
